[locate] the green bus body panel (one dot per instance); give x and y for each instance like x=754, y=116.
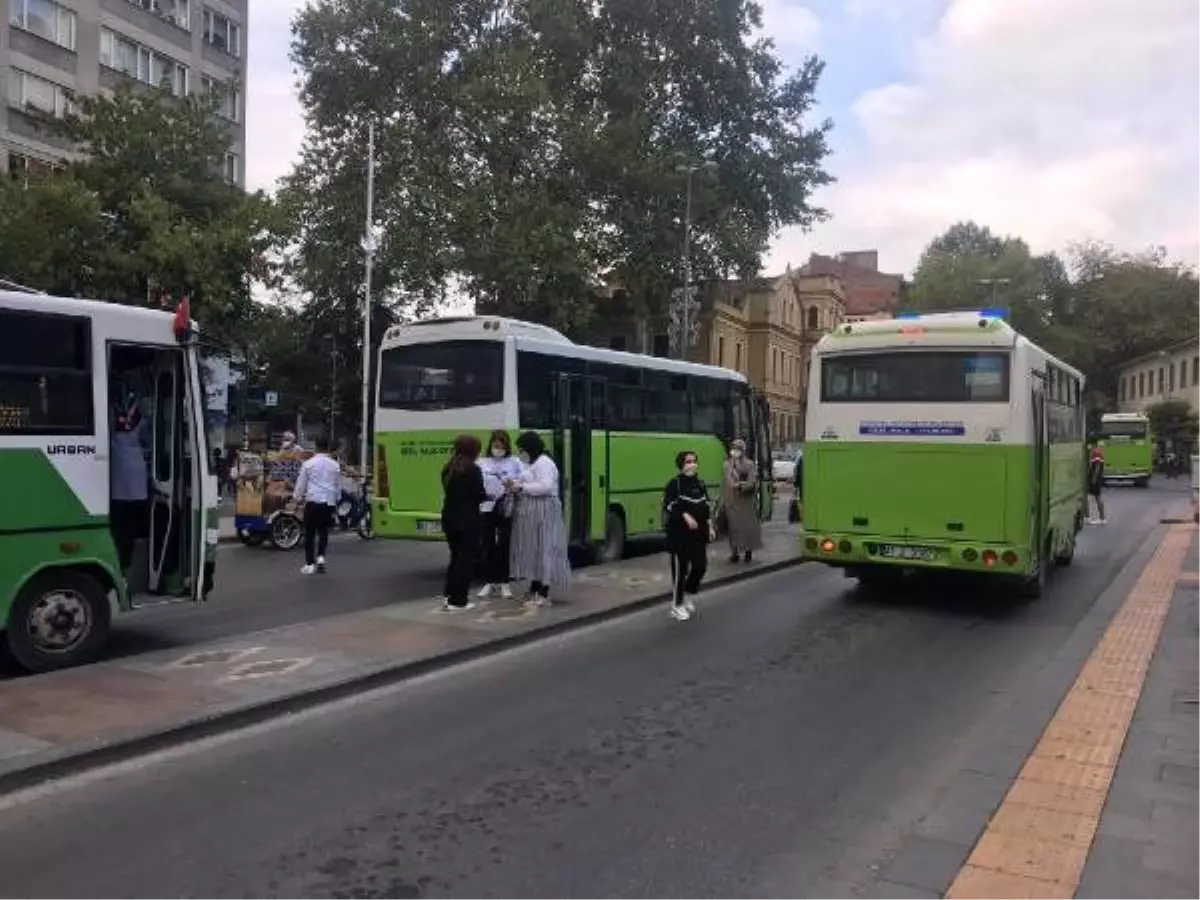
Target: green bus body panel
x=628, y=471
x=1127, y=458
x=948, y=497
x=44, y=515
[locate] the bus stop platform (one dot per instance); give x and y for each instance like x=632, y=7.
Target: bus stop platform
x=66, y=722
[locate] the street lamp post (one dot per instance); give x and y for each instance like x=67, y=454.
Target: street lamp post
x=369, y=246
x=683, y=327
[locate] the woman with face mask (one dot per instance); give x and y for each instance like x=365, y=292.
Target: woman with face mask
x=687, y=515
x=539, y=537
x=739, y=503
x=499, y=466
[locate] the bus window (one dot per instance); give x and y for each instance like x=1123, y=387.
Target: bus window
x=944, y=376
x=1135, y=430
x=45, y=374
x=446, y=375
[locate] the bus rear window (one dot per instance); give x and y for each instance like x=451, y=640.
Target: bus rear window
x=1132, y=430
x=444, y=375
x=942, y=376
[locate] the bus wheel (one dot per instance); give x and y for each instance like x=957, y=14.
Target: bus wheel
x=1034, y=585
x=613, y=548
x=1143, y=482
x=59, y=619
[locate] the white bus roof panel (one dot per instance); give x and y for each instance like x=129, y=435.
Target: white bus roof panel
x=111, y=319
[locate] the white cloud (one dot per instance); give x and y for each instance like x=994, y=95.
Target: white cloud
x=1056, y=121
x=794, y=27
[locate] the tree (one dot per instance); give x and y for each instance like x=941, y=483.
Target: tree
x=530, y=148
x=1174, y=424
x=144, y=212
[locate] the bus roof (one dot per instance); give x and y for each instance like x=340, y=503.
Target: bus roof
x=1124, y=417
x=982, y=328
x=119, y=316
x=539, y=339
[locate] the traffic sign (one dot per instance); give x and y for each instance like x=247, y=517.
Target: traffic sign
x=271, y=398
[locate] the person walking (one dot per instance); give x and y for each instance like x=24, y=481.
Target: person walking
x=739, y=503
x=687, y=513
x=318, y=488
x=1095, y=480
x=499, y=467
x=462, y=520
x=539, y=538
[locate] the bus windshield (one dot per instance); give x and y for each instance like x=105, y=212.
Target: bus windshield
x=1132, y=430
x=938, y=376
x=443, y=375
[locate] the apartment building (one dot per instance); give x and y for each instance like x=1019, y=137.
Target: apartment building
x=1172, y=373
x=51, y=50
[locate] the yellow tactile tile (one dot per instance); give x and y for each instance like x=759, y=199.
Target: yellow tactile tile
x=1037, y=843
x=988, y=884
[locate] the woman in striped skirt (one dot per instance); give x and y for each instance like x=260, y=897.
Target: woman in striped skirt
x=539, y=537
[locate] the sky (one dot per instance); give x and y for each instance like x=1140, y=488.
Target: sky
x=1054, y=120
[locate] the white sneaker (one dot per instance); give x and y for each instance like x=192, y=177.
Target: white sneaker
x=320, y=564
x=506, y=591
x=447, y=606
x=690, y=605
x=680, y=613
x=308, y=570
x=1102, y=521
x=485, y=591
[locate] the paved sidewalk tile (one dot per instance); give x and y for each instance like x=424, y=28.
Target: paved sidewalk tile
x=109, y=704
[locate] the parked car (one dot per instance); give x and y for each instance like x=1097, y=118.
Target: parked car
x=783, y=466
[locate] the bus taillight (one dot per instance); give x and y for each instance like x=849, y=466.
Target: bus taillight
x=990, y=558
x=382, y=488
x=827, y=545
x=1009, y=557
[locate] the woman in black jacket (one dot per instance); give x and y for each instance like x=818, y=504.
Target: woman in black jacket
x=687, y=513
x=462, y=520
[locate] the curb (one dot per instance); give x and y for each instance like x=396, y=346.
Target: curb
x=76, y=761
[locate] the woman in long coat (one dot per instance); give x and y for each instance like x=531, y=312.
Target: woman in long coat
x=739, y=503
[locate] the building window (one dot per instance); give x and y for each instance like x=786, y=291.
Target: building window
x=721, y=350
x=1182, y=373
x=46, y=19
x=232, y=169
x=146, y=65
x=813, y=317
x=177, y=12
x=31, y=93
x=21, y=166
x=1161, y=380
x=1141, y=384
x=738, y=357
x=229, y=98
x=1195, y=370
x=222, y=32
x=1171, y=378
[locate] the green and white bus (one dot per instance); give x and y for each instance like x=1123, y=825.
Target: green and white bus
x=944, y=441
x=65, y=364
x=613, y=422
x=1128, y=447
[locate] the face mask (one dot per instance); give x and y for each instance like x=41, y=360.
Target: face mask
x=498, y=452
x=524, y=457
x=735, y=454
x=690, y=469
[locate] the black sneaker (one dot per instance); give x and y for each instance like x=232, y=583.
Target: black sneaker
x=748, y=556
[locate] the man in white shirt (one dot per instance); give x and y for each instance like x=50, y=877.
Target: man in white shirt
x=319, y=488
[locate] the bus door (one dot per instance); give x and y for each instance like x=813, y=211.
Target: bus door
x=1041, y=479
x=761, y=451
x=573, y=453
x=166, y=464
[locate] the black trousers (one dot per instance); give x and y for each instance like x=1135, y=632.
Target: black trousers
x=689, y=562
x=497, y=539
x=127, y=520
x=464, y=545
x=317, y=518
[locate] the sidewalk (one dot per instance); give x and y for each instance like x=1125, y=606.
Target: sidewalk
x=54, y=724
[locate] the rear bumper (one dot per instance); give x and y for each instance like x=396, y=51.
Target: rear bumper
x=856, y=550
x=405, y=525
x=1126, y=474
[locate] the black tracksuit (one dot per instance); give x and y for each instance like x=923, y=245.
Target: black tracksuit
x=462, y=523
x=688, y=548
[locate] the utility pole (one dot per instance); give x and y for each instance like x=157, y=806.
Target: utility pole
x=369, y=246
x=684, y=326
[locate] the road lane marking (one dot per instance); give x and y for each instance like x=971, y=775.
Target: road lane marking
x=1037, y=843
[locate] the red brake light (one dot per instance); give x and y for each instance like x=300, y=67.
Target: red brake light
x=989, y=558
x=182, y=325
x=827, y=545
x=382, y=487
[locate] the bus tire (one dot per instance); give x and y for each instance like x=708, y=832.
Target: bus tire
x=1143, y=482
x=613, y=548
x=70, y=609
x=1033, y=586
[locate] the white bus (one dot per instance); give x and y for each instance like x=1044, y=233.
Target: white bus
x=942, y=441
x=78, y=379
x=613, y=421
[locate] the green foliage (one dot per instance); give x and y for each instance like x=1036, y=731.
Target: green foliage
x=529, y=149
x=145, y=211
x=1173, y=422
x=1100, y=310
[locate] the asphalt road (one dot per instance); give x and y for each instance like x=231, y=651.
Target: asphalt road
x=776, y=746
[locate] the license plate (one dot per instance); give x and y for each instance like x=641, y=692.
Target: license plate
x=893, y=551
x=429, y=526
